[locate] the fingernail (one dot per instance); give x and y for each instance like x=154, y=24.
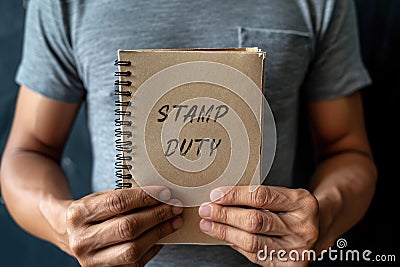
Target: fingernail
x=205, y=211
x=177, y=206
x=206, y=226
x=164, y=195
x=177, y=223
x=216, y=194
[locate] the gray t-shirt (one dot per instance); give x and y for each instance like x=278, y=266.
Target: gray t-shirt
x=313, y=54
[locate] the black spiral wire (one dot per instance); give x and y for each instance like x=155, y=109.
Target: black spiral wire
x=123, y=144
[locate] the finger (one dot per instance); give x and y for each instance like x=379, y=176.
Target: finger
x=265, y=197
x=128, y=227
x=250, y=220
x=238, y=237
x=103, y=206
x=132, y=252
x=150, y=254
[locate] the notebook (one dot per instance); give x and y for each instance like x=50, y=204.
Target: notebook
x=190, y=120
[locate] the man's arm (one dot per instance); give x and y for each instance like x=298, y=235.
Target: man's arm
x=344, y=182
x=111, y=228
x=33, y=185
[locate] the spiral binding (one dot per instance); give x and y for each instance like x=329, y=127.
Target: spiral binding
x=122, y=144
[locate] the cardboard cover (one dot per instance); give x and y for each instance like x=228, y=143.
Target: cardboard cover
x=195, y=117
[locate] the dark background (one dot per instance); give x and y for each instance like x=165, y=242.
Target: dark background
x=379, y=25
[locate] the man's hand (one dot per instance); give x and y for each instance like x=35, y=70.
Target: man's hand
x=119, y=227
x=276, y=217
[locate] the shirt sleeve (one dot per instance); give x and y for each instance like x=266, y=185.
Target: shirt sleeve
x=337, y=68
x=48, y=63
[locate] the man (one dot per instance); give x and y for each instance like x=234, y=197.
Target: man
x=69, y=48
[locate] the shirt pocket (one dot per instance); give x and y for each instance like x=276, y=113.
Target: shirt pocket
x=288, y=56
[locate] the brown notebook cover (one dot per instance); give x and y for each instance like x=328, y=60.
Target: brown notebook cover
x=189, y=119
